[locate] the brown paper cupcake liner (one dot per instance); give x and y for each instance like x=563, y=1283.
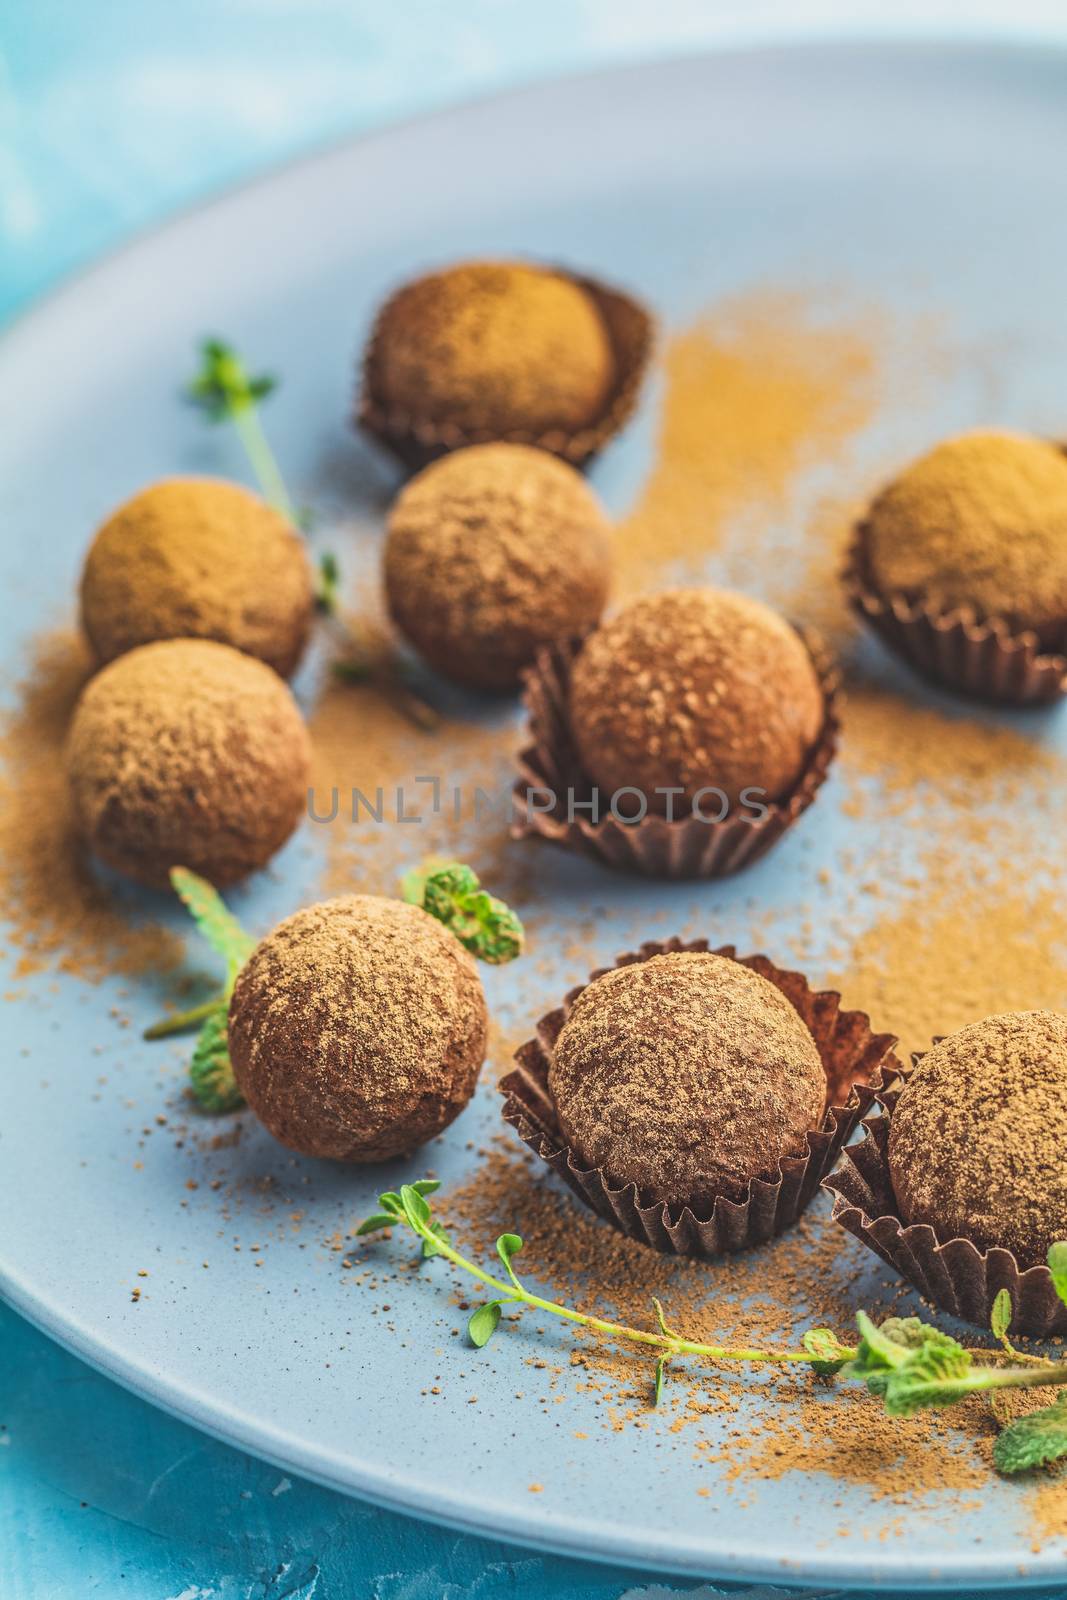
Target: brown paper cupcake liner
x=954, y=1275
x=857, y=1061
x=983, y=659
x=416, y=441
x=684, y=847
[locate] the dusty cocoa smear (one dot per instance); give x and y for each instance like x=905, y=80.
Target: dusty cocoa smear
x=757, y=391
x=57, y=914
x=976, y=925
x=769, y=1296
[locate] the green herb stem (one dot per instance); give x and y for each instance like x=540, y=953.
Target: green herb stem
x=245, y=417
x=183, y=1021
x=908, y=1364
x=673, y=1344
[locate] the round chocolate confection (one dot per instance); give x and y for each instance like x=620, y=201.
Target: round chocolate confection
x=187, y=753
x=491, y=553
x=691, y=689
x=197, y=558
x=977, y=1137
x=687, y=1075
x=495, y=348
x=358, y=1028
x=979, y=523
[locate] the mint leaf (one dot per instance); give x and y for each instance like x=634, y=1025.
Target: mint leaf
x=415, y=1207
x=328, y=592
x=1033, y=1441
x=910, y=1365
x=453, y=894
x=223, y=386
x=508, y=1245
x=483, y=1323
x=882, y=1348
x=1057, y=1265
x=381, y=1219
x=1000, y=1318
x=828, y=1355
x=214, y=919
x=211, y=1071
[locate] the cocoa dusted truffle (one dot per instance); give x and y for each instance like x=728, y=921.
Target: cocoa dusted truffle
x=357, y=1029
x=978, y=1135
x=687, y=1075
x=492, y=552
x=980, y=523
x=187, y=753
x=198, y=558
x=696, y=688
x=494, y=348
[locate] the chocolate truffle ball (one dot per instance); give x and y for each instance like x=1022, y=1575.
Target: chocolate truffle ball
x=358, y=1028
x=494, y=348
x=980, y=522
x=694, y=688
x=187, y=753
x=977, y=1138
x=197, y=558
x=687, y=1075
x=492, y=552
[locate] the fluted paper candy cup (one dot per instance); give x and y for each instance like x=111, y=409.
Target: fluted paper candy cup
x=858, y=1064
x=984, y=658
x=418, y=441
x=551, y=793
x=953, y=1273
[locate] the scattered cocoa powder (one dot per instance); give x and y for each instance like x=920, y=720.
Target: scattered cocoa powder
x=756, y=392
x=57, y=911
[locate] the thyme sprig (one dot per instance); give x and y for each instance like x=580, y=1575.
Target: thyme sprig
x=225, y=391
x=908, y=1364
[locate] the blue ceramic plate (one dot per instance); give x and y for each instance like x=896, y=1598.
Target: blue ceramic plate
x=924, y=178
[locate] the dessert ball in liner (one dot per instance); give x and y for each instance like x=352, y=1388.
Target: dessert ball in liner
x=954, y=642
x=417, y=438
x=684, y=846
x=953, y=1272
x=856, y=1061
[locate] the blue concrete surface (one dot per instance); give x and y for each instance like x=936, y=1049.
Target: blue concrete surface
x=111, y=115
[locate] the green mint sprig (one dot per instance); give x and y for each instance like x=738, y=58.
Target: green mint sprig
x=908, y=1364
x=328, y=589
x=225, y=391
x=210, y=1070
x=452, y=892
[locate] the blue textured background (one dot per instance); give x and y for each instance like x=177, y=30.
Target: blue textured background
x=113, y=113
